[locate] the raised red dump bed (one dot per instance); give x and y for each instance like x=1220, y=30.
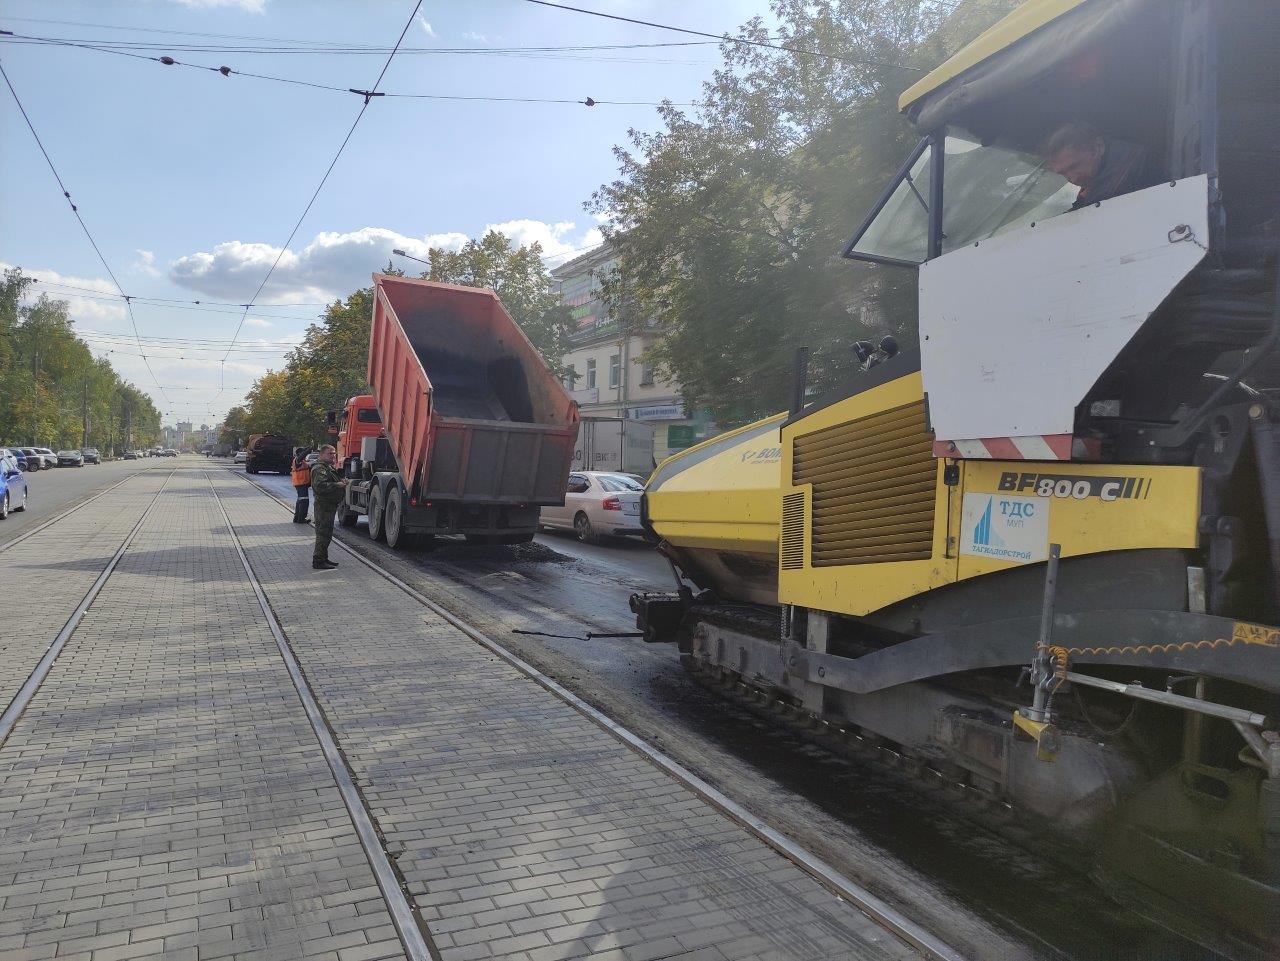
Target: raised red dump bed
x=470, y=408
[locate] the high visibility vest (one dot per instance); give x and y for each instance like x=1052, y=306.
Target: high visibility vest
x=300, y=474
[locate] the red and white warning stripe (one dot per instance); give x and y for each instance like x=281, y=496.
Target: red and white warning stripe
x=1030, y=447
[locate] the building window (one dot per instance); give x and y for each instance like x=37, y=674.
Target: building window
x=591, y=373
x=570, y=377
x=646, y=375
x=615, y=370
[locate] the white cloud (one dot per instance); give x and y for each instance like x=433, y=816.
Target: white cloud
x=333, y=264
x=91, y=300
x=257, y=322
x=146, y=263
x=426, y=26
x=480, y=37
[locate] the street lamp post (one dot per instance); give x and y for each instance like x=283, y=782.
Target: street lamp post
x=400, y=253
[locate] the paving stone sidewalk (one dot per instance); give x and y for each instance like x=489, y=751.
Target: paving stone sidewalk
x=164, y=795
x=525, y=831
x=46, y=575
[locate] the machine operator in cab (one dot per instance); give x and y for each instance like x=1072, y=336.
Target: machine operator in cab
x=1102, y=167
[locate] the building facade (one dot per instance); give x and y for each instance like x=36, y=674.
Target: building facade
x=609, y=374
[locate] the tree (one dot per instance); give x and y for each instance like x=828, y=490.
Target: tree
x=520, y=279
x=53, y=391
x=728, y=224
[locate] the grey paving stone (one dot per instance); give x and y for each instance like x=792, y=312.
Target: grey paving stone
x=164, y=793
x=496, y=794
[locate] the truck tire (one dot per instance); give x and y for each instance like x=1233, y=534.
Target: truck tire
x=377, y=516
x=393, y=519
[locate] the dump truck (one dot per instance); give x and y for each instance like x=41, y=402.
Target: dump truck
x=1034, y=553
x=268, y=452
x=614, y=444
x=466, y=431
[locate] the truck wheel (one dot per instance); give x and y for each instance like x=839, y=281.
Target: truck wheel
x=377, y=518
x=582, y=527
x=393, y=519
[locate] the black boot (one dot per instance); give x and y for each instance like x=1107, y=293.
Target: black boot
x=322, y=566
x=330, y=564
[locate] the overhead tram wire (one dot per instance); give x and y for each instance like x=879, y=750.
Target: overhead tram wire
x=726, y=38
x=333, y=88
x=85, y=227
x=368, y=98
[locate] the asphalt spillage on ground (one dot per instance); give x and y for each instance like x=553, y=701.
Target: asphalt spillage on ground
x=906, y=844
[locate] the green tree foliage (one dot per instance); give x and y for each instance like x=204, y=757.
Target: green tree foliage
x=318, y=376
x=520, y=279
x=729, y=222
x=53, y=391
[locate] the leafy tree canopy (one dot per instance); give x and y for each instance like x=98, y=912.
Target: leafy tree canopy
x=729, y=222
x=53, y=391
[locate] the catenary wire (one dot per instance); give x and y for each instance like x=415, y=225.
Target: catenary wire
x=785, y=48
x=333, y=163
x=83, y=226
x=333, y=88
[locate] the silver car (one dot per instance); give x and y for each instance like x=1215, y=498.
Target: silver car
x=597, y=504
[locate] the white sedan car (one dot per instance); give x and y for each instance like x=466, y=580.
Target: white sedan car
x=241, y=457
x=596, y=504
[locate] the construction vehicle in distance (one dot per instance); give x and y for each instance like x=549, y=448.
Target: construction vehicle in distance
x=268, y=452
x=467, y=430
x=1038, y=556
x=615, y=444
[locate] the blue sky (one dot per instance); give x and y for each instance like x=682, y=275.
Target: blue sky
x=191, y=181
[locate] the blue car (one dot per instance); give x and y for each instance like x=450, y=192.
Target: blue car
x=13, y=485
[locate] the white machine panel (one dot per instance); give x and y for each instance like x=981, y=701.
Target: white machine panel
x=1015, y=330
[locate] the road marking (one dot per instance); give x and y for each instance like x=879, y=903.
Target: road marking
x=869, y=904
x=409, y=926
x=32, y=684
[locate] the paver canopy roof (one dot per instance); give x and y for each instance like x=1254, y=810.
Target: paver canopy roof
x=1028, y=43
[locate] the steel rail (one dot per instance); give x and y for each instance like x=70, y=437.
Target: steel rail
x=409, y=926
x=868, y=903
x=71, y=510
x=22, y=699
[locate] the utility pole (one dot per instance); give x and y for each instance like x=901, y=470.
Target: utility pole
x=84, y=415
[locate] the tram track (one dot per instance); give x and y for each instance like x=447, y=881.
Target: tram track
x=43, y=525
x=20, y=701
x=410, y=928
x=889, y=918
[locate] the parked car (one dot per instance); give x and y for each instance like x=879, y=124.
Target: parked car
x=170, y=452
x=49, y=457
x=20, y=456
x=34, y=459
x=240, y=457
x=70, y=458
x=131, y=455
x=91, y=455
x=13, y=486
x=597, y=503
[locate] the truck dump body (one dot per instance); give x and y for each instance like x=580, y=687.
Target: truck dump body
x=470, y=409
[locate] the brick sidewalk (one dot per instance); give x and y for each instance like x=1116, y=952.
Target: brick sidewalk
x=524, y=830
x=46, y=575
x=164, y=795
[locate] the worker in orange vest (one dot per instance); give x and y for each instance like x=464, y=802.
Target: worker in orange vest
x=301, y=477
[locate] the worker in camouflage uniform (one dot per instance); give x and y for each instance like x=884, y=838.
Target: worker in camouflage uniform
x=326, y=491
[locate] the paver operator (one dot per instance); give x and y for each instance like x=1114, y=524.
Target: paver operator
x=326, y=488
x=300, y=475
